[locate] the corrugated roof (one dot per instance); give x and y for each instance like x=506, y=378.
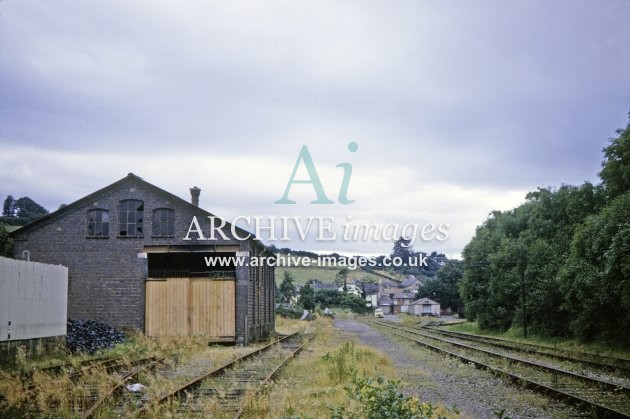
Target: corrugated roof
x=425, y=301
x=410, y=281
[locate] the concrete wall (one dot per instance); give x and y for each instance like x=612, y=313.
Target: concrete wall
x=33, y=300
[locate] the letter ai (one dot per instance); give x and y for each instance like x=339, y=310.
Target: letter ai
x=313, y=178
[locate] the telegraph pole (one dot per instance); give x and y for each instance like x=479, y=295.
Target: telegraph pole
x=523, y=257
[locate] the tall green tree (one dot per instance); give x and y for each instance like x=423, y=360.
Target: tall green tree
x=28, y=210
x=511, y=265
x=615, y=172
x=287, y=288
x=341, y=278
x=596, y=275
x=444, y=288
x=7, y=208
x=490, y=284
x=559, y=263
x=307, y=297
x=402, y=249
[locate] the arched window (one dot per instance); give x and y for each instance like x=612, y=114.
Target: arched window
x=163, y=222
x=130, y=218
x=98, y=223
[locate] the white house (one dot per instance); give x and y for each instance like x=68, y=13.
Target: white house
x=402, y=302
x=371, y=293
x=352, y=288
x=425, y=307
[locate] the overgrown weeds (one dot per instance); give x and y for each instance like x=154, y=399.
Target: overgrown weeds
x=516, y=334
x=343, y=362
x=317, y=383
x=379, y=398
x=59, y=394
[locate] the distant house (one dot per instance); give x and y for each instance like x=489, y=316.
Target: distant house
x=393, y=298
x=324, y=286
x=402, y=301
x=425, y=307
x=386, y=304
x=389, y=287
x=371, y=293
x=351, y=288
x=410, y=284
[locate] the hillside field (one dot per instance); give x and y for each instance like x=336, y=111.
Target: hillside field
x=301, y=274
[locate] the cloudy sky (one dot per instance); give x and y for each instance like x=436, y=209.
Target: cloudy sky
x=458, y=108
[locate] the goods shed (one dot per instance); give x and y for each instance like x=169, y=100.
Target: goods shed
x=132, y=264
x=425, y=307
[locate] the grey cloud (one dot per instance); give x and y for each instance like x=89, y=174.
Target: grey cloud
x=496, y=95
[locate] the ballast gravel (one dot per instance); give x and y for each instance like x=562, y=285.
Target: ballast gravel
x=441, y=380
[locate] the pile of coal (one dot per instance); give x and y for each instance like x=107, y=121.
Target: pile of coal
x=89, y=336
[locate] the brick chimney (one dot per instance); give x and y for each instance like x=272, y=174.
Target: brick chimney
x=194, y=195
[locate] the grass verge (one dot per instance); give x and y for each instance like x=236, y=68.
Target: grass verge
x=516, y=334
x=57, y=395
x=317, y=383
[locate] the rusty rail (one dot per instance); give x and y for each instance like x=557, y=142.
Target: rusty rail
x=571, y=397
x=152, y=362
x=586, y=358
x=192, y=385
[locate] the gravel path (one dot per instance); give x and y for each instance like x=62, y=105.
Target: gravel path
x=441, y=380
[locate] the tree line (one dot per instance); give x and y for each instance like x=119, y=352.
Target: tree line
x=17, y=212
x=559, y=264
x=21, y=211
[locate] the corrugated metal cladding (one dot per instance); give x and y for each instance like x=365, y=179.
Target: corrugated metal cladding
x=33, y=299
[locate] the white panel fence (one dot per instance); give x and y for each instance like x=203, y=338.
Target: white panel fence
x=33, y=299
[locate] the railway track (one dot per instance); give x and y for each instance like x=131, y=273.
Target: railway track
x=226, y=390
x=111, y=365
x=601, y=362
x=602, y=398
x=69, y=367
x=120, y=376
x=90, y=376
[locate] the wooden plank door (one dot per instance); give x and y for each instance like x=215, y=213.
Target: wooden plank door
x=213, y=313
x=191, y=307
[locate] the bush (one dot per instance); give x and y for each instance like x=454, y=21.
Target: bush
x=366, y=397
x=379, y=398
x=289, y=313
x=334, y=298
x=6, y=243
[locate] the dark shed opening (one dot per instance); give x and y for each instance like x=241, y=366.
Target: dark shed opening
x=192, y=265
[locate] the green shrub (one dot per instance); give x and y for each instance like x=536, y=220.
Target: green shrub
x=334, y=298
x=379, y=398
x=6, y=243
x=289, y=313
